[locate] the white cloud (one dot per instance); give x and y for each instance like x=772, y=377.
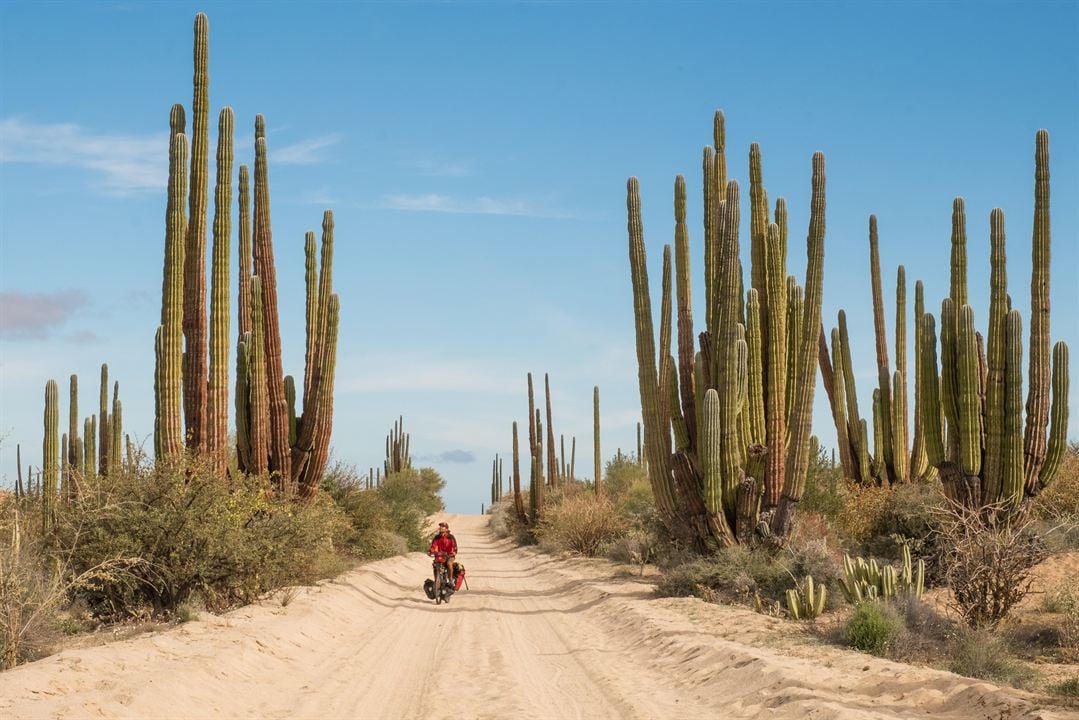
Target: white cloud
x=483, y=205
x=34, y=316
x=128, y=163
x=305, y=152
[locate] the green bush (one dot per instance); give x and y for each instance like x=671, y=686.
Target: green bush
x=579, y=521
x=873, y=627
x=179, y=529
x=1066, y=688
x=626, y=485
x=409, y=497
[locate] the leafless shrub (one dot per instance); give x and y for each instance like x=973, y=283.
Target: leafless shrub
x=986, y=558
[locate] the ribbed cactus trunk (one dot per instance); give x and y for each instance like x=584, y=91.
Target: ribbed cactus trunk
x=884, y=375
x=552, y=465
x=900, y=428
x=194, y=290
x=597, y=458
x=103, y=422
x=169, y=343
x=218, y=383
x=1037, y=406
x=243, y=295
x=74, y=459
x=50, y=452
x=259, y=433
x=518, y=500
x=280, y=462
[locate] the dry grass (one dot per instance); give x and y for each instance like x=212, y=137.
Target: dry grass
x=580, y=522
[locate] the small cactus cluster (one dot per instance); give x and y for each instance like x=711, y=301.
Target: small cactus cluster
x=806, y=601
x=68, y=460
x=397, y=455
x=727, y=424
x=868, y=581
x=191, y=370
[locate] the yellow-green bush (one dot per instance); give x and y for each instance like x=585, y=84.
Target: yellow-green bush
x=579, y=522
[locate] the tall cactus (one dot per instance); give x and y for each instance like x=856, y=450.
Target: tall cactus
x=884, y=375
x=552, y=465
x=169, y=343
x=194, y=291
x=596, y=457
x=50, y=452
x=103, y=422
x=990, y=463
x=736, y=466
x=218, y=384
x=518, y=500
x=1037, y=407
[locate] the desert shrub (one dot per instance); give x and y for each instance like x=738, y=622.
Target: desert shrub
x=30, y=597
x=1064, y=601
x=986, y=655
x=873, y=627
x=178, y=529
x=924, y=635
x=859, y=517
x=906, y=519
x=825, y=490
x=1060, y=500
x=987, y=565
x=639, y=547
x=410, y=496
x=579, y=522
x=626, y=485
x=1066, y=688
x=370, y=535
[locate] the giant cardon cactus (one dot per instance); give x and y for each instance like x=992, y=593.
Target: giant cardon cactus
x=987, y=458
x=726, y=446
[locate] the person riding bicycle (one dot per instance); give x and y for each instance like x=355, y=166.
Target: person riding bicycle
x=446, y=543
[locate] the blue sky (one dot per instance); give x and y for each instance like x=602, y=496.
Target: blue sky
x=475, y=156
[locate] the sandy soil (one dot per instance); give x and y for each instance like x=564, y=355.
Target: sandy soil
x=534, y=637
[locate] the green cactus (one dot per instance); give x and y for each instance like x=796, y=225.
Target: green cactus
x=89, y=430
x=996, y=352
x=116, y=431
x=217, y=413
x=1058, y=436
x=970, y=416
x=290, y=400
x=259, y=413
x=243, y=296
x=884, y=375
x=734, y=457
x=1037, y=406
x=919, y=462
x=169, y=344
x=869, y=581
x=806, y=601
x=900, y=429
x=1011, y=491
x=194, y=290
x=243, y=395
x=596, y=457
x=518, y=501
x=552, y=464
x=103, y=421
x=50, y=453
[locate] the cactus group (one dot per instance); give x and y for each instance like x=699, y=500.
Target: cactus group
x=191, y=370
x=806, y=601
x=868, y=581
x=727, y=427
x=988, y=455
x=397, y=455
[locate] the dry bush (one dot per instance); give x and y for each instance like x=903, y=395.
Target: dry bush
x=1064, y=601
x=860, y=515
x=986, y=561
x=579, y=522
x=986, y=655
x=1060, y=501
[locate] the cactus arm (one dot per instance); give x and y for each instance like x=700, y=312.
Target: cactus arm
x=802, y=413
x=884, y=375
x=775, y=355
x=243, y=295
x=194, y=291
x=995, y=356
x=685, y=311
x=170, y=356
x=1058, y=434
x=1011, y=493
x=218, y=387
x=1037, y=407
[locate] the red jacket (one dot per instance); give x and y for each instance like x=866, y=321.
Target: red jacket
x=446, y=544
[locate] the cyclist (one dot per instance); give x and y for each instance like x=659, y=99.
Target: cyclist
x=446, y=543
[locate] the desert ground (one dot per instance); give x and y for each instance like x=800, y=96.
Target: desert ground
x=532, y=637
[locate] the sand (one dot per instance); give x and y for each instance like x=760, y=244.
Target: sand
x=533, y=637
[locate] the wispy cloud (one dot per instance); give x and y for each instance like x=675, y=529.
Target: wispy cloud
x=483, y=205
x=450, y=456
x=128, y=163
x=319, y=196
x=33, y=316
x=306, y=152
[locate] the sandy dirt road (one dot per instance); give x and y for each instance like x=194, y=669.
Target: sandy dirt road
x=533, y=637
